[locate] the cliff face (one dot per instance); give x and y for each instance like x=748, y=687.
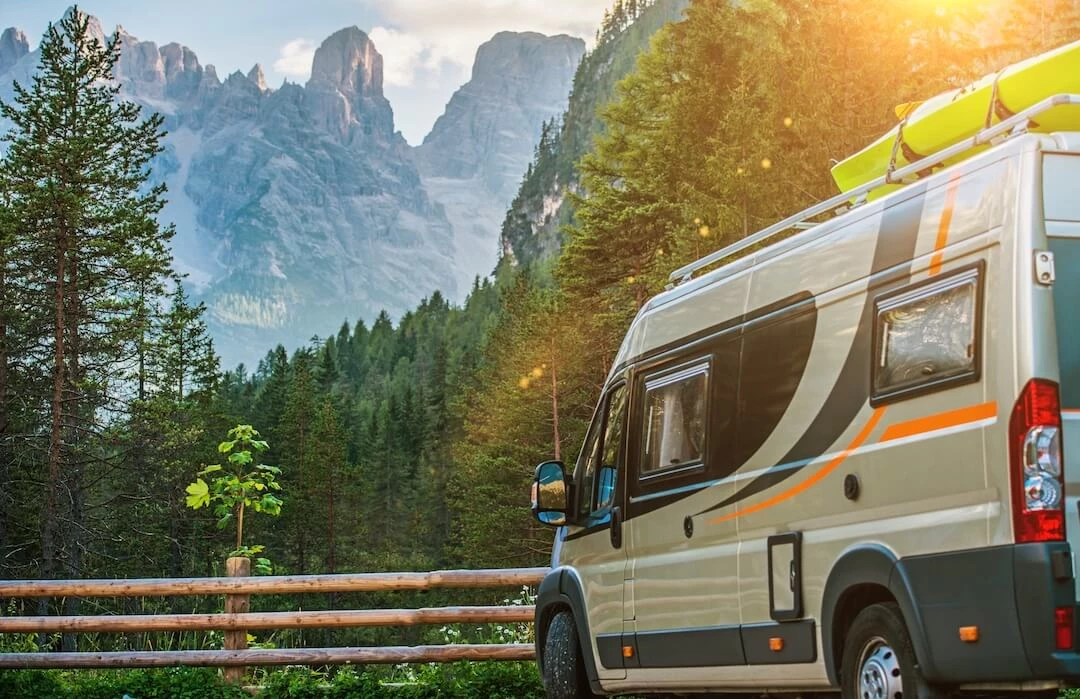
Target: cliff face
x=478, y=150
x=299, y=207
x=531, y=230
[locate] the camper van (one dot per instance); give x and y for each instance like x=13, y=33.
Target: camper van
x=838, y=455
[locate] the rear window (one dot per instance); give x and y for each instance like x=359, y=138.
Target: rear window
x=1067, y=316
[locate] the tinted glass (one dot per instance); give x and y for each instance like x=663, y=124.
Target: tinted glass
x=612, y=446
x=1066, y=296
x=585, y=474
x=674, y=430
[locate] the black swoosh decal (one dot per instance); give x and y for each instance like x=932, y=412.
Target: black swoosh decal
x=892, y=255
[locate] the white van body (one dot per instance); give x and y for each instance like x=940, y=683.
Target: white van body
x=836, y=421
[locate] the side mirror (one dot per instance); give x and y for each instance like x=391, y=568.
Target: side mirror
x=550, y=494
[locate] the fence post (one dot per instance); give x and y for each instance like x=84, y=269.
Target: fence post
x=237, y=567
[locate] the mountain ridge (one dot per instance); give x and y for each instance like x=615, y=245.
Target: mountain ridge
x=301, y=206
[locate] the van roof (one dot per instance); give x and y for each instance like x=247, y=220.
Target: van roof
x=752, y=258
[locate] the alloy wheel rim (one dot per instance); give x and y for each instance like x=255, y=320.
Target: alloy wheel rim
x=879, y=672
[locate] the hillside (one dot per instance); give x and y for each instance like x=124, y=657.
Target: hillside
x=531, y=229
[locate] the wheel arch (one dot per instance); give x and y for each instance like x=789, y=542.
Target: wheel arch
x=561, y=590
x=862, y=576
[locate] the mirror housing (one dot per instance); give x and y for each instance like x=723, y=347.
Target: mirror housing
x=551, y=494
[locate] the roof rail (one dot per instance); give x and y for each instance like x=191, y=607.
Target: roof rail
x=801, y=220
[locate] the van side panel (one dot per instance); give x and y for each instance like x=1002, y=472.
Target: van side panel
x=922, y=482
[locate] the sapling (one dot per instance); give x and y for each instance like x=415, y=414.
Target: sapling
x=238, y=486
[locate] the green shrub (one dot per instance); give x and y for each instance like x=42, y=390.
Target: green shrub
x=452, y=681
x=171, y=683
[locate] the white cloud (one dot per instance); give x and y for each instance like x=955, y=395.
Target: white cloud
x=294, y=58
x=403, y=55
x=431, y=34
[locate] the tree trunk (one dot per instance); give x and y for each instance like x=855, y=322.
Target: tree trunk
x=74, y=536
x=49, y=532
x=301, y=540
x=5, y=447
x=555, y=404
x=330, y=558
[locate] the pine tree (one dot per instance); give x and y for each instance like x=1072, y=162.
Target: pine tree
x=328, y=467
x=77, y=168
x=295, y=434
x=183, y=361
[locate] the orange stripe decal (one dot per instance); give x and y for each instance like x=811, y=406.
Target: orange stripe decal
x=943, y=226
x=941, y=421
x=813, y=479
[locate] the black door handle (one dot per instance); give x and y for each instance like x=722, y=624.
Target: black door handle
x=616, y=527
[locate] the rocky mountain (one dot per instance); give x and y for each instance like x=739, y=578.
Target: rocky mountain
x=531, y=231
x=475, y=156
x=13, y=46
x=302, y=206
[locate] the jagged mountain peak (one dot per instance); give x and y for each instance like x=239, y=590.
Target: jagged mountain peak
x=348, y=60
x=93, y=23
x=257, y=76
x=298, y=207
x=13, y=46
x=502, y=55
x=519, y=80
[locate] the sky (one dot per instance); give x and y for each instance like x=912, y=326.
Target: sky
x=427, y=45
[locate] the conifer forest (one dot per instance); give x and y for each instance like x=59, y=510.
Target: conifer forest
x=409, y=443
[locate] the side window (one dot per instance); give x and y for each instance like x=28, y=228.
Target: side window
x=927, y=337
x=599, y=462
x=673, y=434
x=585, y=476
x=612, y=447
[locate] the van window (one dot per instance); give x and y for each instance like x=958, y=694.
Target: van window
x=599, y=462
x=1066, y=292
x=927, y=337
x=612, y=447
x=675, y=414
x=585, y=474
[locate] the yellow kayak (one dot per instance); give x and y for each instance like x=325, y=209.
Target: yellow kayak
x=953, y=116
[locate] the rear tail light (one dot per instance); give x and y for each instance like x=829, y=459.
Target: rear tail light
x=1035, y=462
x=1063, y=628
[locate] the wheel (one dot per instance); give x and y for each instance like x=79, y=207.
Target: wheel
x=879, y=661
x=564, y=673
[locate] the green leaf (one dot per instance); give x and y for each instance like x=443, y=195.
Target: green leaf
x=226, y=447
x=242, y=458
x=210, y=469
x=198, y=494
x=269, y=469
x=224, y=521
x=260, y=444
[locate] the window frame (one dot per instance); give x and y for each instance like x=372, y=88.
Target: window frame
x=589, y=513
x=914, y=292
x=672, y=477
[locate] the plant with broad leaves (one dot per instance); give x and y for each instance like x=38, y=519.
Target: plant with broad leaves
x=239, y=485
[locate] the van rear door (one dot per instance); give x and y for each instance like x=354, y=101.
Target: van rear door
x=1061, y=173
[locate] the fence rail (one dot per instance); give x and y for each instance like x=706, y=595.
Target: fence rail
x=275, y=584
x=237, y=621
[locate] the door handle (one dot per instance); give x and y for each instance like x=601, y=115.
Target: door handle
x=616, y=527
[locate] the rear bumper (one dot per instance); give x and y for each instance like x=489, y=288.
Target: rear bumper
x=1010, y=593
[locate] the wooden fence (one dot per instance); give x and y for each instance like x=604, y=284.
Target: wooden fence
x=237, y=620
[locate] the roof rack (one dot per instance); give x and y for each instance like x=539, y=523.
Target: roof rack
x=858, y=196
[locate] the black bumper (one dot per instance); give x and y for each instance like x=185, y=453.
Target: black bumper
x=1010, y=593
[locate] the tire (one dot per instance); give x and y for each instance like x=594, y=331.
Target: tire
x=879, y=662
x=564, y=674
